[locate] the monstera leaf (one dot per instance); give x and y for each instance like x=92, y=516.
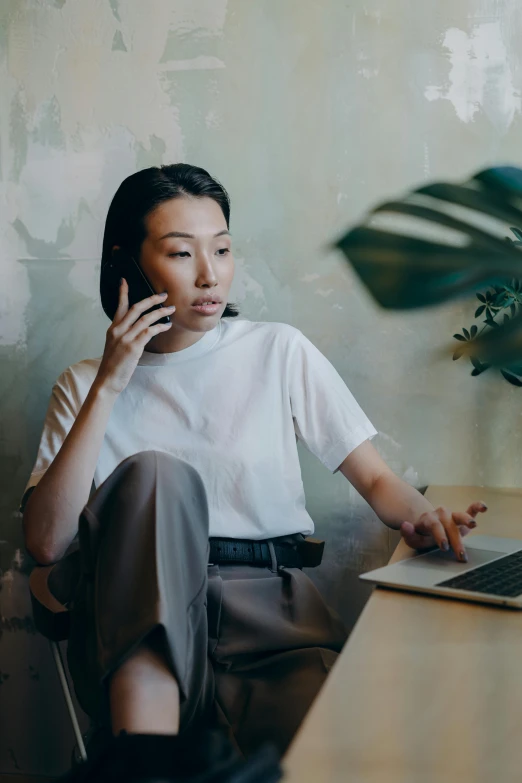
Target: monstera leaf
x=405, y=271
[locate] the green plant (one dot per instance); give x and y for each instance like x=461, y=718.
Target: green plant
x=407, y=271
x=499, y=304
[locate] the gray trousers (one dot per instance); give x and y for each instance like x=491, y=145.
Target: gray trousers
x=249, y=647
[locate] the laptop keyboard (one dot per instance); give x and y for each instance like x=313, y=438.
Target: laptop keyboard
x=502, y=577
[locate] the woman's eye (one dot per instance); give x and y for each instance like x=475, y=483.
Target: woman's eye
x=184, y=253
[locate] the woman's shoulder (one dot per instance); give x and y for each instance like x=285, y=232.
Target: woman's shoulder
x=260, y=331
x=79, y=375
x=257, y=338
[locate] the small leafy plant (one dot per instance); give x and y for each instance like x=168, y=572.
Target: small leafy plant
x=499, y=304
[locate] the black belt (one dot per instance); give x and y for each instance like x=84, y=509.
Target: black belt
x=299, y=552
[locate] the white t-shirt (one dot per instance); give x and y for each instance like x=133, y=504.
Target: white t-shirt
x=232, y=405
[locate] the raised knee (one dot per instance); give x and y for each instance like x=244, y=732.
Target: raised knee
x=141, y=458
x=153, y=459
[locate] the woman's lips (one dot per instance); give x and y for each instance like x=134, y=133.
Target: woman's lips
x=207, y=309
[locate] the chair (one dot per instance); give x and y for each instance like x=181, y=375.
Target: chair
x=52, y=620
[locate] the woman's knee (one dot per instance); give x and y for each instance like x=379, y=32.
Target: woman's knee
x=152, y=461
x=143, y=486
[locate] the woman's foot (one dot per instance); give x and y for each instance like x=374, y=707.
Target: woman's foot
x=159, y=758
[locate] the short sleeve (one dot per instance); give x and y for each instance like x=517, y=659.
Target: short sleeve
x=61, y=413
x=327, y=418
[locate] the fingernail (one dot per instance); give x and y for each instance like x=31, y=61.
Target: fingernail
x=484, y=506
x=164, y=294
x=472, y=523
x=121, y=280
x=463, y=557
x=445, y=545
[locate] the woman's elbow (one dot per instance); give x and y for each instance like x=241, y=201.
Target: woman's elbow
x=43, y=555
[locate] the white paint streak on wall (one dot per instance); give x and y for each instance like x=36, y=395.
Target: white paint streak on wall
x=389, y=440
x=325, y=292
x=366, y=70
x=200, y=63
x=212, y=119
x=207, y=17
x=85, y=275
x=245, y=286
x=426, y=166
x=48, y=188
x=480, y=76
x=310, y=278
x=14, y=289
x=374, y=13
x=392, y=453
x=411, y=476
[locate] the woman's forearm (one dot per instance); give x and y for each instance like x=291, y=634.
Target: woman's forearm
x=51, y=514
x=394, y=501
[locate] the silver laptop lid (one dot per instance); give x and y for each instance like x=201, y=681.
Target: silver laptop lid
x=424, y=572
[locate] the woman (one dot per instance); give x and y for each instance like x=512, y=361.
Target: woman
x=188, y=430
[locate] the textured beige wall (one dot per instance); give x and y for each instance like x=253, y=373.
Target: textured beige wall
x=308, y=112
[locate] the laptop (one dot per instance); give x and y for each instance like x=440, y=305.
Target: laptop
x=493, y=573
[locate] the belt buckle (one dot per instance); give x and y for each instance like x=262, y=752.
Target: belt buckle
x=311, y=551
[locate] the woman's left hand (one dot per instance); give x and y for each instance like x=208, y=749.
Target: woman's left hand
x=443, y=528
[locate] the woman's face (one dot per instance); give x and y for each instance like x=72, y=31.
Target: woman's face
x=187, y=252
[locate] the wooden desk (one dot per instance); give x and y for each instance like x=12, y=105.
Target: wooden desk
x=426, y=690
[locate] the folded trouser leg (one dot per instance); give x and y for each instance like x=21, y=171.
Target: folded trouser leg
x=144, y=553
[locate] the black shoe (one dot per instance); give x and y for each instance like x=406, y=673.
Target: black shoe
x=157, y=758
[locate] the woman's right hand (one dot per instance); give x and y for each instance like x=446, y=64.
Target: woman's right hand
x=127, y=337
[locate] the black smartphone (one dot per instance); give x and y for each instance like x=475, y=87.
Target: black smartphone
x=140, y=288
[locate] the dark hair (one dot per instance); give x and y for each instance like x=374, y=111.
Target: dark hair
x=137, y=196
